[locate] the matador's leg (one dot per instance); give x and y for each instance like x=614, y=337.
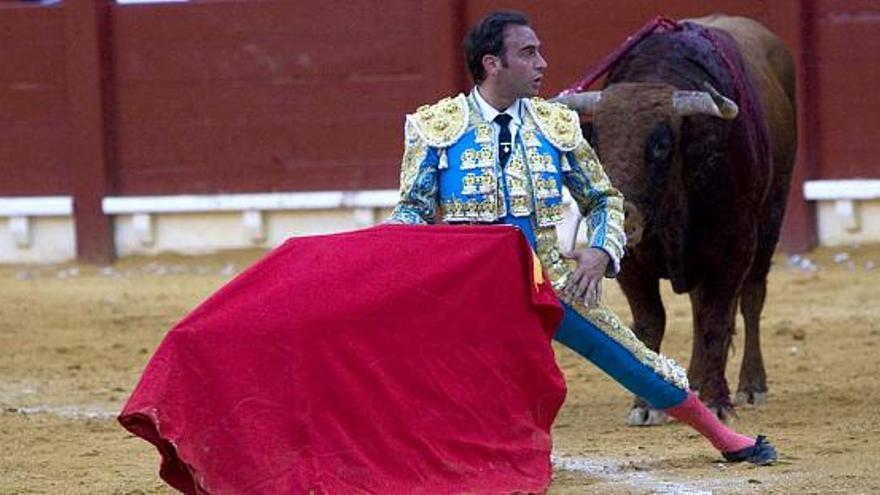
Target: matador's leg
x=600, y=336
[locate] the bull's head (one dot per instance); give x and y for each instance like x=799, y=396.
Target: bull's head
x=636, y=130
x=708, y=102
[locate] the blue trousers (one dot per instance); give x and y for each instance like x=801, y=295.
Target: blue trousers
x=605, y=342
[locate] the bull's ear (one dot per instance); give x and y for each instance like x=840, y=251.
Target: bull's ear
x=709, y=102
x=584, y=103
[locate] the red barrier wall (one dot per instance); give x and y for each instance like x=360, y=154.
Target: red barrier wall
x=847, y=102
x=273, y=95
x=243, y=95
x=32, y=101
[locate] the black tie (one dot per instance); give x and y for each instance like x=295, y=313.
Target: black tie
x=504, y=141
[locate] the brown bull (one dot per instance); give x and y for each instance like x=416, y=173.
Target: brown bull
x=706, y=185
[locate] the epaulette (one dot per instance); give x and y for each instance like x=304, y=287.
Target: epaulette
x=560, y=125
x=443, y=123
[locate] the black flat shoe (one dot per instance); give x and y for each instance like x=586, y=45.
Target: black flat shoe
x=760, y=454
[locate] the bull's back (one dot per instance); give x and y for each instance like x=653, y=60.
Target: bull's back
x=772, y=69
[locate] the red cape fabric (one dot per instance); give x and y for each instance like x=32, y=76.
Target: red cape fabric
x=396, y=359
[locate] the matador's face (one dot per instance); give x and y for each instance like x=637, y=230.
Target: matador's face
x=522, y=68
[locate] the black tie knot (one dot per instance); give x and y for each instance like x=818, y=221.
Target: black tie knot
x=504, y=138
x=503, y=120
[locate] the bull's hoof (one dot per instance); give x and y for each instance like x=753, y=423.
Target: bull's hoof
x=760, y=454
x=746, y=397
x=725, y=413
x=646, y=416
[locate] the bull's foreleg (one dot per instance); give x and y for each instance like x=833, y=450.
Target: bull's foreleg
x=752, y=388
x=714, y=317
x=649, y=324
x=696, y=371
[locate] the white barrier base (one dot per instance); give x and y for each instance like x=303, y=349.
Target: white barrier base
x=847, y=211
x=41, y=230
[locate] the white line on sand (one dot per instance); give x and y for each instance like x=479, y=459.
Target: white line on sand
x=615, y=472
x=71, y=411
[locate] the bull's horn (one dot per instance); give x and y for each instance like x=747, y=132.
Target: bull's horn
x=584, y=103
x=709, y=102
x=726, y=105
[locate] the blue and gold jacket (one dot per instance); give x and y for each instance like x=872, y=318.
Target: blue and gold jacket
x=450, y=166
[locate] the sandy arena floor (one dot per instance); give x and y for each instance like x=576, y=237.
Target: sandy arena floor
x=74, y=339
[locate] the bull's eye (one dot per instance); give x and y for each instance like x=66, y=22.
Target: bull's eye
x=659, y=146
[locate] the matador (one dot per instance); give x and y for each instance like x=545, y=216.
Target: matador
x=501, y=155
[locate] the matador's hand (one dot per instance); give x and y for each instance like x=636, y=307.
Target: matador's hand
x=586, y=280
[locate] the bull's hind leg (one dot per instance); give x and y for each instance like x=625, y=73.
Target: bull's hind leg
x=649, y=325
x=752, y=387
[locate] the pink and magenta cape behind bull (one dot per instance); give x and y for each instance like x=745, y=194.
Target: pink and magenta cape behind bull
x=396, y=359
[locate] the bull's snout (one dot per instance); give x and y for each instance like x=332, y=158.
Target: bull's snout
x=634, y=223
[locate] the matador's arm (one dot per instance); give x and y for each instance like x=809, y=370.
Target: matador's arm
x=418, y=180
x=598, y=201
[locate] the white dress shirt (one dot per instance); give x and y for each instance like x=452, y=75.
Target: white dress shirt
x=489, y=112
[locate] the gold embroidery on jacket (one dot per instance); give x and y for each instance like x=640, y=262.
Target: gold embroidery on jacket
x=560, y=125
x=585, y=155
x=413, y=155
x=549, y=215
x=471, y=210
x=473, y=184
x=518, y=187
x=564, y=166
x=483, y=133
x=444, y=122
x=481, y=158
x=558, y=269
x=546, y=188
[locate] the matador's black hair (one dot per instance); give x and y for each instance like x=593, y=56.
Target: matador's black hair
x=487, y=38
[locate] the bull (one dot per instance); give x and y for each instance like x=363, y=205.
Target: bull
x=705, y=179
